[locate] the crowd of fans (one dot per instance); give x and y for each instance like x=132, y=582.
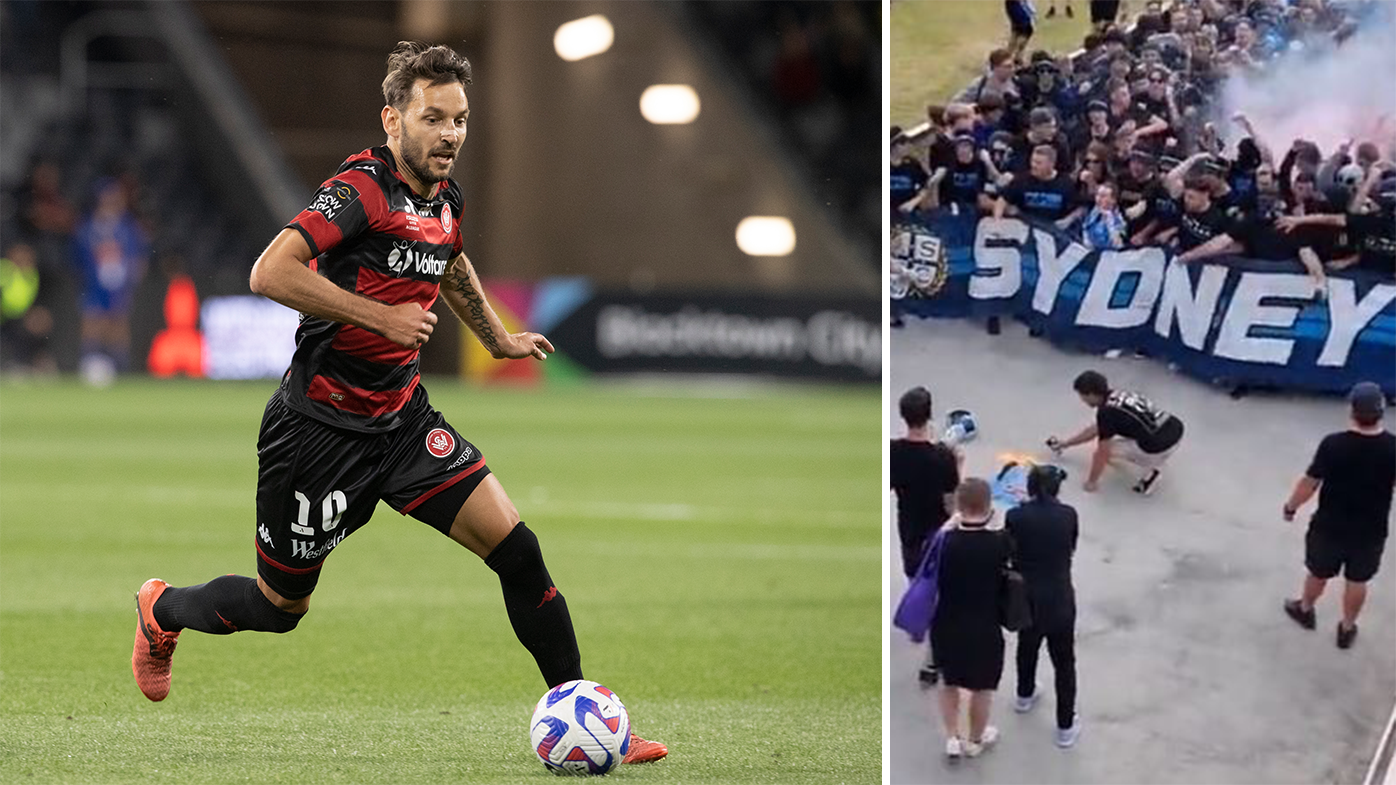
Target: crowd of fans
x=1118, y=145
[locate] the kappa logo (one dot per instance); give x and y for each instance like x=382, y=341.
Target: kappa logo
x=446, y=218
x=548, y=595
x=440, y=443
x=465, y=454
x=264, y=534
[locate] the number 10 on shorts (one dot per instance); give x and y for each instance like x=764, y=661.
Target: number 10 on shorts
x=331, y=510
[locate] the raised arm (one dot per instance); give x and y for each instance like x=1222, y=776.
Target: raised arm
x=1220, y=245
x=1173, y=181
x=461, y=290
x=281, y=274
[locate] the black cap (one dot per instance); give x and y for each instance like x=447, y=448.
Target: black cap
x=1142, y=156
x=1368, y=401
x=1097, y=106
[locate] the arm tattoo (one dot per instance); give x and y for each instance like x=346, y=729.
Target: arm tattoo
x=475, y=301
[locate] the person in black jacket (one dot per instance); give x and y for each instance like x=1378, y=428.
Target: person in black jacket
x=924, y=473
x=965, y=631
x=1043, y=534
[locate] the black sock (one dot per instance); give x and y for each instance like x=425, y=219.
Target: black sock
x=536, y=609
x=221, y=606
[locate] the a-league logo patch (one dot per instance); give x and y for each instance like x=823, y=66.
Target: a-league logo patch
x=440, y=443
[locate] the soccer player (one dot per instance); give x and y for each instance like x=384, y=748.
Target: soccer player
x=1145, y=434
x=350, y=424
x=1353, y=472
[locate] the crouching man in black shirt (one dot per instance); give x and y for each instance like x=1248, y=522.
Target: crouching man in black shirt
x=1353, y=472
x=1127, y=426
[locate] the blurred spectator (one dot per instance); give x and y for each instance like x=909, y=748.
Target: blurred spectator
x=24, y=325
x=1042, y=192
x=908, y=176
x=1104, y=227
x=110, y=251
x=996, y=80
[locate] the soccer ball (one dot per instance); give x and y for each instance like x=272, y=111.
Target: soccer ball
x=580, y=727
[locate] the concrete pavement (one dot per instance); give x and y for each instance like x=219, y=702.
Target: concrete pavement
x=1189, y=671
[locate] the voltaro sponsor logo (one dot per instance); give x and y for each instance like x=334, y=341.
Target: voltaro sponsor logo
x=829, y=337
x=1249, y=325
x=405, y=255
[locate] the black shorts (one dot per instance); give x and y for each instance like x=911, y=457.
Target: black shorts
x=316, y=484
x=1019, y=19
x=1325, y=555
x=1104, y=11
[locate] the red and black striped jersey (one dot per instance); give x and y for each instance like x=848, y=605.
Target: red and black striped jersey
x=373, y=235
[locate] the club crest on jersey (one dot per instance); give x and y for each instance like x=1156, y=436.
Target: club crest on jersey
x=440, y=442
x=446, y=218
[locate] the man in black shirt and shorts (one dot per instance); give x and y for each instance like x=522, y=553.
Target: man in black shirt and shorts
x=925, y=473
x=350, y=423
x=1353, y=472
x=1128, y=426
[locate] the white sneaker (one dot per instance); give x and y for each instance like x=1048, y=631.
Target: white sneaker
x=954, y=748
x=1024, y=705
x=974, y=749
x=1066, y=737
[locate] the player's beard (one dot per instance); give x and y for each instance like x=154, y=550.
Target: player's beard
x=418, y=161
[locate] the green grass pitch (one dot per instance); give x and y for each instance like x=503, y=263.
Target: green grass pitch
x=721, y=557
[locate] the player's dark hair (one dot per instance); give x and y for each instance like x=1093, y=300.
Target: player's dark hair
x=973, y=495
x=1091, y=383
x=1044, y=482
x=413, y=60
x=916, y=406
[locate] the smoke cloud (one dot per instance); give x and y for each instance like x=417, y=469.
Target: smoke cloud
x=1324, y=92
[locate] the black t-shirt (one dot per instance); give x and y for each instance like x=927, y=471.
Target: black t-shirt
x=1130, y=415
x=1357, y=472
x=908, y=178
x=1049, y=200
x=963, y=183
x=1194, y=229
x=942, y=152
x=922, y=474
x=1256, y=230
x=1374, y=237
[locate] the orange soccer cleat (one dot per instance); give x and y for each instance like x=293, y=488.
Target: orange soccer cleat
x=642, y=751
x=150, y=658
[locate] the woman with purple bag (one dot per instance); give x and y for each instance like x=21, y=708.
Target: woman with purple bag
x=965, y=629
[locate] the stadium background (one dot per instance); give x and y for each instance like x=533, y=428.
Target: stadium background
x=716, y=534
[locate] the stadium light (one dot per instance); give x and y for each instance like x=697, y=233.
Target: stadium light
x=669, y=104
x=581, y=38
x=766, y=235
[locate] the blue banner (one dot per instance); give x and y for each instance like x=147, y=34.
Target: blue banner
x=1242, y=322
